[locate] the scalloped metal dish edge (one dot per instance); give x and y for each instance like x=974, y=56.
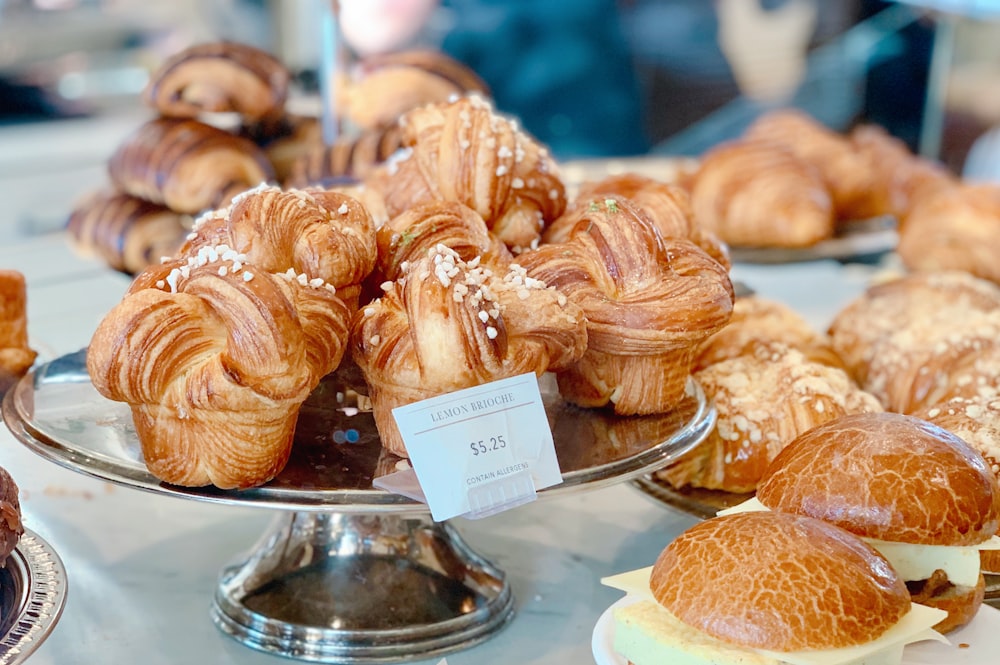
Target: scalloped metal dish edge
x=44, y=586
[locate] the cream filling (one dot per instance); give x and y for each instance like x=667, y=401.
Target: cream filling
x=912, y=561
x=647, y=634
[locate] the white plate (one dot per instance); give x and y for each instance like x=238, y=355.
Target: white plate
x=978, y=643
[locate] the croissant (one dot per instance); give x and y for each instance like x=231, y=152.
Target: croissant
x=321, y=234
x=667, y=205
x=753, y=193
x=16, y=356
x=763, y=398
x=215, y=355
x=347, y=158
x=127, y=233
x=219, y=77
x=759, y=320
x=463, y=151
x=954, y=228
x=186, y=165
x=11, y=524
x=649, y=303
x=447, y=324
x=915, y=299
x=383, y=87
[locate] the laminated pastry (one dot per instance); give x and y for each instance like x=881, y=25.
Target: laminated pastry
x=764, y=399
x=126, y=232
x=975, y=420
x=755, y=193
x=321, y=234
x=348, y=158
x=758, y=320
x=918, y=298
x=919, y=494
x=649, y=303
x=219, y=77
x=381, y=88
x=667, y=205
x=186, y=165
x=11, y=526
x=447, y=324
x=466, y=152
x=767, y=589
x=16, y=356
x=954, y=228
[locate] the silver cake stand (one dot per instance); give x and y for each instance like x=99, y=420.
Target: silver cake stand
x=346, y=573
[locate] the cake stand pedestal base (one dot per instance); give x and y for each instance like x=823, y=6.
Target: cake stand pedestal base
x=361, y=588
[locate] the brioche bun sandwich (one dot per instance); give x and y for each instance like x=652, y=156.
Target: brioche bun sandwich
x=767, y=588
x=917, y=493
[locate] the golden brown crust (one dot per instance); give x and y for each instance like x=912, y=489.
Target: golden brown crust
x=649, y=303
x=11, y=526
x=464, y=151
x=758, y=320
x=186, y=165
x=126, y=232
x=960, y=602
x=896, y=478
x=383, y=87
x=764, y=399
x=446, y=324
x=16, y=356
x=219, y=77
x=349, y=158
x=766, y=580
x=754, y=193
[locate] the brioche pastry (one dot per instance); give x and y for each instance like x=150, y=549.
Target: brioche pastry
x=215, y=355
x=954, y=228
x=466, y=152
x=667, y=205
x=649, y=303
x=125, y=232
x=218, y=77
x=447, y=324
x=16, y=356
x=186, y=165
x=758, y=320
x=11, y=526
x=754, y=193
x=921, y=297
x=975, y=420
x=767, y=589
x=322, y=234
x=764, y=399
x=381, y=88
x=918, y=493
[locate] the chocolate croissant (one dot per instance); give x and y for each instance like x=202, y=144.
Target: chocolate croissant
x=186, y=165
x=764, y=398
x=755, y=193
x=447, y=324
x=126, y=232
x=215, y=355
x=464, y=151
x=649, y=303
x=381, y=88
x=348, y=158
x=216, y=77
x=16, y=356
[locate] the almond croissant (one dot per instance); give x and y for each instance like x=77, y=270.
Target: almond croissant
x=448, y=324
x=464, y=151
x=649, y=303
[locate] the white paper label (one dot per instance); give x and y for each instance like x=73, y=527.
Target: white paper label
x=480, y=450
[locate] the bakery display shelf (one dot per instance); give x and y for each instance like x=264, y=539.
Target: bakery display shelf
x=32, y=595
x=703, y=504
x=346, y=572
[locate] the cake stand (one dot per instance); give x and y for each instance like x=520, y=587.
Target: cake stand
x=346, y=573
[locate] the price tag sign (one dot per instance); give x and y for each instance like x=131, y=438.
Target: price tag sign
x=480, y=450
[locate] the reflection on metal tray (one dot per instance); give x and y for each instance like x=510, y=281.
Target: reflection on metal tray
x=854, y=241
x=57, y=413
x=32, y=594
